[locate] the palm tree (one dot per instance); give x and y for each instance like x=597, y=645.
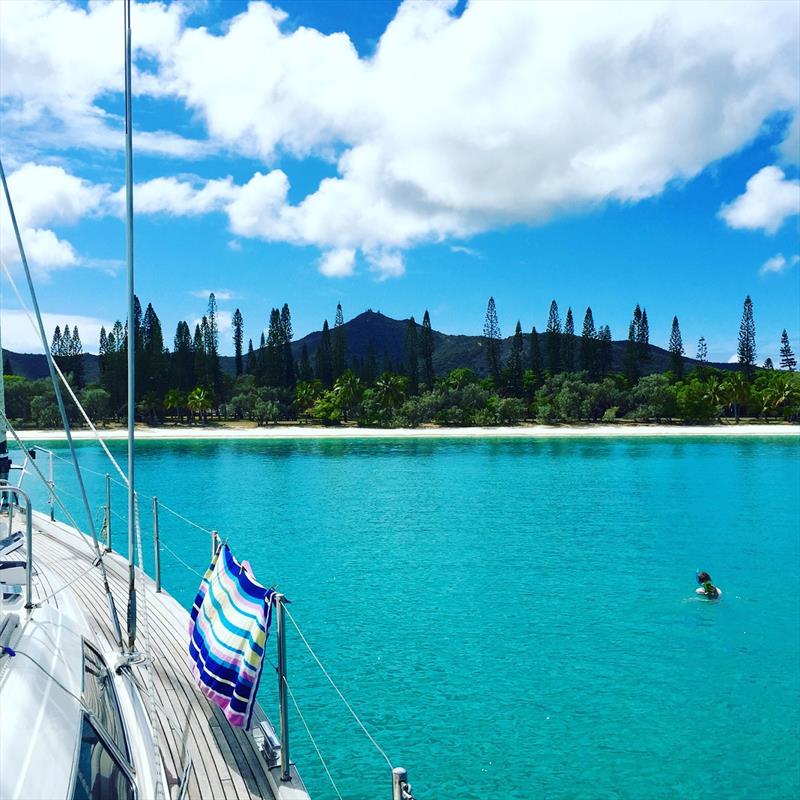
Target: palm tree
x=150, y=406
x=782, y=393
x=714, y=394
x=347, y=391
x=175, y=401
x=199, y=402
x=306, y=394
x=736, y=390
x=390, y=391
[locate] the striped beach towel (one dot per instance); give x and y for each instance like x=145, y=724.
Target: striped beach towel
x=227, y=633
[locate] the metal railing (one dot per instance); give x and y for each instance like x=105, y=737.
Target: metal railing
x=13, y=493
x=276, y=753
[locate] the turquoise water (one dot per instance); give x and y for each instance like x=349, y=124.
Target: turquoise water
x=516, y=619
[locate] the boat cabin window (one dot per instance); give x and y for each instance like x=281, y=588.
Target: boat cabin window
x=100, y=698
x=98, y=773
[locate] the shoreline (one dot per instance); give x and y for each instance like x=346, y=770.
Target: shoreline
x=517, y=432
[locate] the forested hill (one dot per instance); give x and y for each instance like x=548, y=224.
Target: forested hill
x=388, y=338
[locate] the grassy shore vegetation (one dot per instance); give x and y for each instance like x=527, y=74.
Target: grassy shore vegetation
x=555, y=376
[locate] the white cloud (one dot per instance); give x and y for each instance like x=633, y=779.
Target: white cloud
x=21, y=337
x=59, y=59
x=224, y=322
x=777, y=263
x=467, y=251
x=387, y=263
x=44, y=196
x=221, y=295
x=769, y=199
x=509, y=112
x=338, y=263
x=177, y=197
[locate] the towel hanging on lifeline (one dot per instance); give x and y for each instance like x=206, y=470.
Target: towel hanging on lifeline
x=228, y=631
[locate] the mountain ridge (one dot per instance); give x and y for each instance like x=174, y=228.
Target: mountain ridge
x=388, y=339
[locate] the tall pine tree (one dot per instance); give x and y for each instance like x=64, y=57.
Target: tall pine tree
x=183, y=378
x=200, y=371
x=788, y=361
x=568, y=343
x=516, y=361
x=251, y=365
x=323, y=358
x=491, y=341
x=588, y=344
x=339, y=354
x=155, y=377
x=212, y=350
x=238, y=340
x=644, y=338
x=746, y=350
x=287, y=334
x=702, y=350
x=605, y=356
x=425, y=350
x=274, y=373
x=552, y=337
x=535, y=362
x=676, y=349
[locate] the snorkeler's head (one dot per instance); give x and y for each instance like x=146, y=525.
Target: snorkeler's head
x=702, y=577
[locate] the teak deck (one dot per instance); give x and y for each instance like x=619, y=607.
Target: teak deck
x=226, y=762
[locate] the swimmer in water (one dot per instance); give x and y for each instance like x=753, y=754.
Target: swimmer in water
x=709, y=590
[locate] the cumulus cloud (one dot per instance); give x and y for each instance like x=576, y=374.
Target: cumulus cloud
x=44, y=196
x=507, y=113
x=21, y=337
x=769, y=199
x=61, y=59
x=177, y=197
x=338, y=263
x=458, y=123
x=778, y=263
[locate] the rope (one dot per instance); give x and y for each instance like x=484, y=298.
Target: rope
x=60, y=399
x=338, y=691
x=63, y=379
x=313, y=742
x=179, y=559
x=85, y=469
x=181, y=517
x=66, y=585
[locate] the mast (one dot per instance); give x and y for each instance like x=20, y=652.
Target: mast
x=132, y=332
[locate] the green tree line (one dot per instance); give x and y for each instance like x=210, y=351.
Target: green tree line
x=558, y=375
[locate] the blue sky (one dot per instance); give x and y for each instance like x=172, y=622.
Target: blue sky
x=461, y=156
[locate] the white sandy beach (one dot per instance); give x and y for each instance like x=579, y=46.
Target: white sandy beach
x=516, y=432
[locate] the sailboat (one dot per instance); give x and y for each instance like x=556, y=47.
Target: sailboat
x=94, y=707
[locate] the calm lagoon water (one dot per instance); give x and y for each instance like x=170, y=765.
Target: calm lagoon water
x=515, y=619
